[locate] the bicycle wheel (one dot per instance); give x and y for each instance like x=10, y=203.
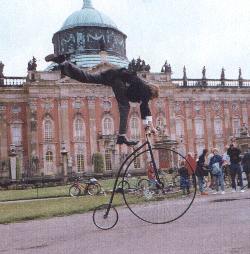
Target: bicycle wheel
x=158, y=204
x=94, y=189
x=125, y=185
x=103, y=220
x=74, y=191
x=143, y=183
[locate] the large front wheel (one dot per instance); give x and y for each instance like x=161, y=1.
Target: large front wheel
x=105, y=216
x=158, y=203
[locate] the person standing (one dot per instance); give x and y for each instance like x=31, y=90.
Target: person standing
x=207, y=163
x=185, y=179
x=246, y=165
x=215, y=165
x=226, y=163
x=200, y=171
x=235, y=167
x=193, y=164
x=151, y=175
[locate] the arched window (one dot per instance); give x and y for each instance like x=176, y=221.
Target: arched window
x=108, y=160
x=49, y=163
x=79, y=129
x=16, y=133
x=80, y=161
x=48, y=130
x=135, y=128
x=107, y=126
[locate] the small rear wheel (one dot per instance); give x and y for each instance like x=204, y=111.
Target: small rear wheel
x=105, y=216
x=74, y=191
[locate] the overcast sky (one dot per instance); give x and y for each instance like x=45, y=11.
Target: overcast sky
x=194, y=33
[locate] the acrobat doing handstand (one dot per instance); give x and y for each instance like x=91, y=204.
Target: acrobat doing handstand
x=126, y=85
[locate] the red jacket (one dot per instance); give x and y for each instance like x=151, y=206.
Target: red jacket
x=193, y=164
x=150, y=173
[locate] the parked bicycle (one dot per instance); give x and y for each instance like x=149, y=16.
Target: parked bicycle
x=158, y=207
x=128, y=182
x=92, y=187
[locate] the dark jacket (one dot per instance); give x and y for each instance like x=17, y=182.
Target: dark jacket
x=234, y=154
x=246, y=162
x=135, y=89
x=200, y=166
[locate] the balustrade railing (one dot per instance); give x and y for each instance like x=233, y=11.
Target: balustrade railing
x=12, y=81
x=211, y=82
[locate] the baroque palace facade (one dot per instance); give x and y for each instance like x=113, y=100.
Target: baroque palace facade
x=45, y=112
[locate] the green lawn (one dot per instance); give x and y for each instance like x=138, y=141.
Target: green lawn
x=42, y=209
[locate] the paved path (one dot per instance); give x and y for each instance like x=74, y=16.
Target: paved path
x=208, y=227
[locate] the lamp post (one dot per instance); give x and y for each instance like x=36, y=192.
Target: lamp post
x=64, y=154
x=13, y=161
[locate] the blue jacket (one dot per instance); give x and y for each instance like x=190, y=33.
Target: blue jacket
x=214, y=159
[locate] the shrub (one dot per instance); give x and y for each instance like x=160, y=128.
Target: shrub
x=99, y=163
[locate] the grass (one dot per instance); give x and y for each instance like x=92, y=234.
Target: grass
x=43, y=209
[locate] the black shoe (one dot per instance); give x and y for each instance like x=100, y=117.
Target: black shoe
x=57, y=58
x=123, y=140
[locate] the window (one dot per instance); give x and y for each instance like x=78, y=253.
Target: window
x=179, y=128
x=16, y=133
x=218, y=128
x=137, y=163
x=79, y=129
x=107, y=126
x=236, y=128
x=48, y=130
x=134, y=126
x=49, y=163
x=199, y=129
x=80, y=161
x=108, y=159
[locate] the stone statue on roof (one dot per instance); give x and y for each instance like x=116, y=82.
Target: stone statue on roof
x=1, y=69
x=32, y=64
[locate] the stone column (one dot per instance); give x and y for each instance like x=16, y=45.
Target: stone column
x=227, y=121
x=172, y=119
x=209, y=125
x=32, y=127
x=190, y=135
x=244, y=111
x=92, y=126
x=64, y=122
x=3, y=131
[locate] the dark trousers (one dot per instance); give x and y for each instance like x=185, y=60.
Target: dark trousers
x=236, y=169
x=109, y=78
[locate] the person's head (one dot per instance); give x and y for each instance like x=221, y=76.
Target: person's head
x=226, y=148
x=205, y=152
x=154, y=91
x=215, y=151
x=231, y=146
x=182, y=163
x=234, y=143
x=189, y=154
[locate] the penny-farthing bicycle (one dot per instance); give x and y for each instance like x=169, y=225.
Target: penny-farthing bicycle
x=156, y=204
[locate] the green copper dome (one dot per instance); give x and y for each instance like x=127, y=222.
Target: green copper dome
x=87, y=16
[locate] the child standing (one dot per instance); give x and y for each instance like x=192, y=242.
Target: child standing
x=185, y=179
